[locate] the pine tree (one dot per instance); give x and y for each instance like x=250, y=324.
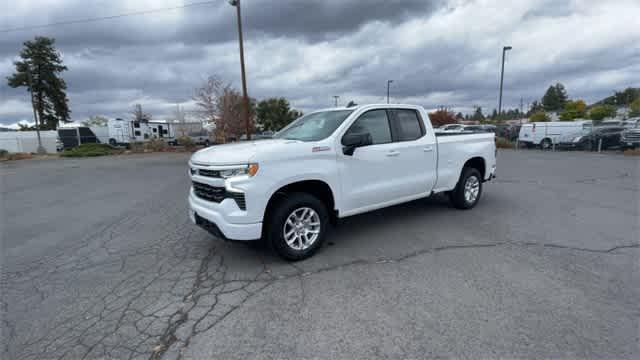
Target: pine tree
x=39, y=71
x=555, y=98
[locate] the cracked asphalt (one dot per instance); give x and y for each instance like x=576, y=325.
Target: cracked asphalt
x=99, y=261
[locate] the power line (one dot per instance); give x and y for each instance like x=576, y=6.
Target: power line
x=88, y=20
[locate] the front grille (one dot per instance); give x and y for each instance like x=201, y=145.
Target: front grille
x=208, y=192
x=631, y=136
x=209, y=173
x=217, y=194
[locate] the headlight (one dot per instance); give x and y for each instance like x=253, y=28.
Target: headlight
x=249, y=170
x=577, y=139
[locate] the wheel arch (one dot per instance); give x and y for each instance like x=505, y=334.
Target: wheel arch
x=477, y=163
x=318, y=188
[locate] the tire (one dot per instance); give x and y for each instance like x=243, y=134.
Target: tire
x=301, y=245
x=458, y=197
x=545, y=144
x=112, y=142
x=207, y=143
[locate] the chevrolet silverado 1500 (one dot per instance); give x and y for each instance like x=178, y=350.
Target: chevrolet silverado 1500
x=331, y=164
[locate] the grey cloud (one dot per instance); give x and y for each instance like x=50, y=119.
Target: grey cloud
x=158, y=63
x=215, y=23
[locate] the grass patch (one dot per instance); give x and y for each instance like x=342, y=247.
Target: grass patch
x=90, y=150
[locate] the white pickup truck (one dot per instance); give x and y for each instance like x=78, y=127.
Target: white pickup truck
x=331, y=164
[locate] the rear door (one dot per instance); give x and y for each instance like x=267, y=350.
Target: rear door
x=417, y=152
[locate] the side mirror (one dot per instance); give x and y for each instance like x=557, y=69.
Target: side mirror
x=352, y=141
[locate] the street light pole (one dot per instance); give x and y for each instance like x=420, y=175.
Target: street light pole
x=245, y=96
x=504, y=50
x=41, y=149
x=336, y=97
x=388, y=86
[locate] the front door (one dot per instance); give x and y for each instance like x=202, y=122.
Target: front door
x=368, y=176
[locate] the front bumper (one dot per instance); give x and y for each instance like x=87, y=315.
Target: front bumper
x=216, y=223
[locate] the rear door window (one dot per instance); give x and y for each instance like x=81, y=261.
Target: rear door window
x=406, y=124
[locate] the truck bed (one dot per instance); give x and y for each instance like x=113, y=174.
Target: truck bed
x=454, y=149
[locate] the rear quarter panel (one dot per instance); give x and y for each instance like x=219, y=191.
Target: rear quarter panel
x=455, y=150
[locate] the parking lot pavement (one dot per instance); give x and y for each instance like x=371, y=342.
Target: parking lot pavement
x=99, y=261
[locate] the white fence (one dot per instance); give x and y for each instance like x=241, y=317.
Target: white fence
x=27, y=141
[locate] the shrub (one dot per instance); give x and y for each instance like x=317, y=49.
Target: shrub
x=136, y=147
x=539, y=116
x=155, y=145
x=87, y=150
x=634, y=108
x=187, y=142
x=503, y=143
x=601, y=112
x=442, y=117
x=574, y=110
x=3, y=153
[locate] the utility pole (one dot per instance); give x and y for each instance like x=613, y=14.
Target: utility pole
x=504, y=50
x=245, y=96
x=388, y=86
x=336, y=97
x=41, y=149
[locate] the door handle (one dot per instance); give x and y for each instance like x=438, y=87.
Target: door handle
x=393, y=153
x=428, y=149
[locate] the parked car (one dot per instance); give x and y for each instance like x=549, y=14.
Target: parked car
x=509, y=132
x=450, y=128
x=631, y=123
x=258, y=136
x=479, y=128
x=197, y=137
x=630, y=137
x=331, y=164
x=609, y=135
x=545, y=134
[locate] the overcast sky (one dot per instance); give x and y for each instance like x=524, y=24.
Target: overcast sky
x=437, y=52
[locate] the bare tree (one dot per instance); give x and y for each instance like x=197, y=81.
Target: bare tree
x=209, y=105
x=139, y=115
x=180, y=120
x=219, y=104
x=233, y=113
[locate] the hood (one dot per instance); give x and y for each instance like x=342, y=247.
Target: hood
x=237, y=153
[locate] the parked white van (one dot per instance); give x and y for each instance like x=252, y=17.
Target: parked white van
x=545, y=134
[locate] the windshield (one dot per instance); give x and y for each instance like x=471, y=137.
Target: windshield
x=313, y=127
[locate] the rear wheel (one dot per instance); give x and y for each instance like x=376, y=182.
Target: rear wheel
x=297, y=226
x=468, y=190
x=545, y=144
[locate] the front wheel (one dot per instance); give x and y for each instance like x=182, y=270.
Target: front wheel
x=468, y=190
x=297, y=226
